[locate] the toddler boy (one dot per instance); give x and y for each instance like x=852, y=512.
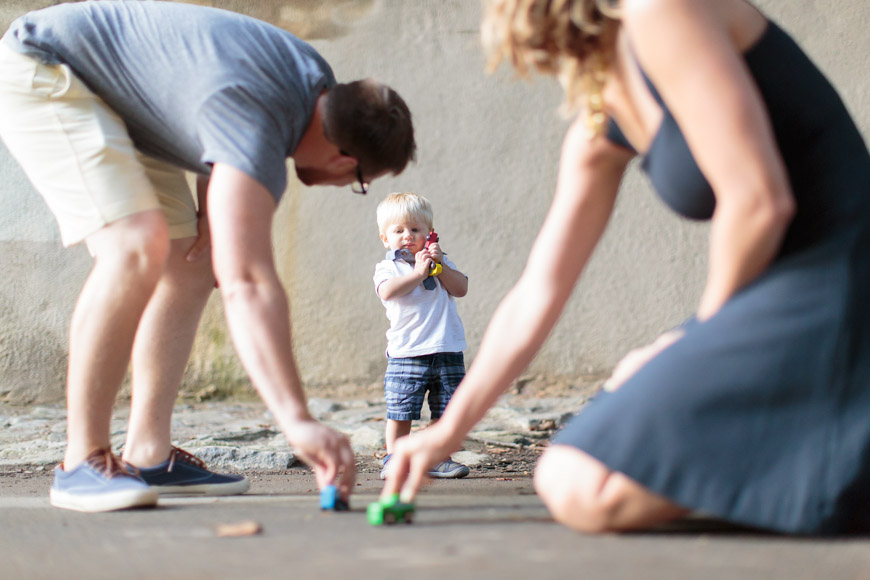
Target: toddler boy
x=426, y=337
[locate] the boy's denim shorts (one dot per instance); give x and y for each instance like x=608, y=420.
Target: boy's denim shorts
x=407, y=380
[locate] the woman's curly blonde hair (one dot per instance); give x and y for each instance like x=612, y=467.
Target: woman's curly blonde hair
x=571, y=39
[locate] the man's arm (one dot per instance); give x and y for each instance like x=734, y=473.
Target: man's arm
x=240, y=211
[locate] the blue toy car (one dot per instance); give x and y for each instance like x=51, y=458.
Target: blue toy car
x=330, y=500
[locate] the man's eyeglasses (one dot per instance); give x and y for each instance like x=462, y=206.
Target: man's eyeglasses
x=359, y=186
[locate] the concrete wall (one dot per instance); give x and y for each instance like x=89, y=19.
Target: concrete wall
x=488, y=153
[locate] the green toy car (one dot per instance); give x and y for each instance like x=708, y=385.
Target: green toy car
x=390, y=511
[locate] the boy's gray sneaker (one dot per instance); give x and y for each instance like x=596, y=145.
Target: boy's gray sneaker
x=384, y=465
x=103, y=482
x=449, y=469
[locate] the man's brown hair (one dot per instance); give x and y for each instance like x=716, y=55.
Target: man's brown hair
x=371, y=122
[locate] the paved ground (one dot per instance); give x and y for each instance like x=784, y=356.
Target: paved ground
x=481, y=527
x=489, y=525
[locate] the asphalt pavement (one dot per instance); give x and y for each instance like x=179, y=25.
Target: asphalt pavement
x=488, y=525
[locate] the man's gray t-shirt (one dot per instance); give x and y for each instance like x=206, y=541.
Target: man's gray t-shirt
x=194, y=85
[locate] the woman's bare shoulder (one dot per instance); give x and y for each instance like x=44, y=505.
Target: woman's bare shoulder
x=743, y=22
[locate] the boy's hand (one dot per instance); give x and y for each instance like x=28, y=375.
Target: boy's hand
x=327, y=452
x=422, y=263
x=435, y=252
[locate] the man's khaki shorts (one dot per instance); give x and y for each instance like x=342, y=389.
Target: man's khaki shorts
x=78, y=155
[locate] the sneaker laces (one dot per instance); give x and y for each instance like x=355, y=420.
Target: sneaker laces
x=109, y=464
x=180, y=454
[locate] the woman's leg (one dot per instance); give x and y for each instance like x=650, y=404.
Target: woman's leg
x=582, y=493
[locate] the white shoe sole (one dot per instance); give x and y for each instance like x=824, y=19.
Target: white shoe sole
x=206, y=489
x=103, y=502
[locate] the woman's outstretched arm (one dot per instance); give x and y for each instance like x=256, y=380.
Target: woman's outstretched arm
x=589, y=176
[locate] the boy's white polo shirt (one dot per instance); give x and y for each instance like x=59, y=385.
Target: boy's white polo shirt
x=422, y=321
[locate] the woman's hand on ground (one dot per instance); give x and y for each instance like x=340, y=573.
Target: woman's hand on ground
x=412, y=458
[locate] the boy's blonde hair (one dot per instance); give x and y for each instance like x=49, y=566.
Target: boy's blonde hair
x=397, y=207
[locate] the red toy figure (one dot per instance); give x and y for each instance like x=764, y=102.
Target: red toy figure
x=436, y=267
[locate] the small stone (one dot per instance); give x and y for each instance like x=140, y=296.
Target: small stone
x=237, y=529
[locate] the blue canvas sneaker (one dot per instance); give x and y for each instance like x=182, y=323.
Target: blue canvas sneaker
x=102, y=483
x=186, y=474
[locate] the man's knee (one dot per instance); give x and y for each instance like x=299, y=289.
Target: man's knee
x=570, y=483
x=137, y=244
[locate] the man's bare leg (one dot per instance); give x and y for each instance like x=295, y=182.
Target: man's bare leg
x=161, y=351
x=582, y=493
x=129, y=256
